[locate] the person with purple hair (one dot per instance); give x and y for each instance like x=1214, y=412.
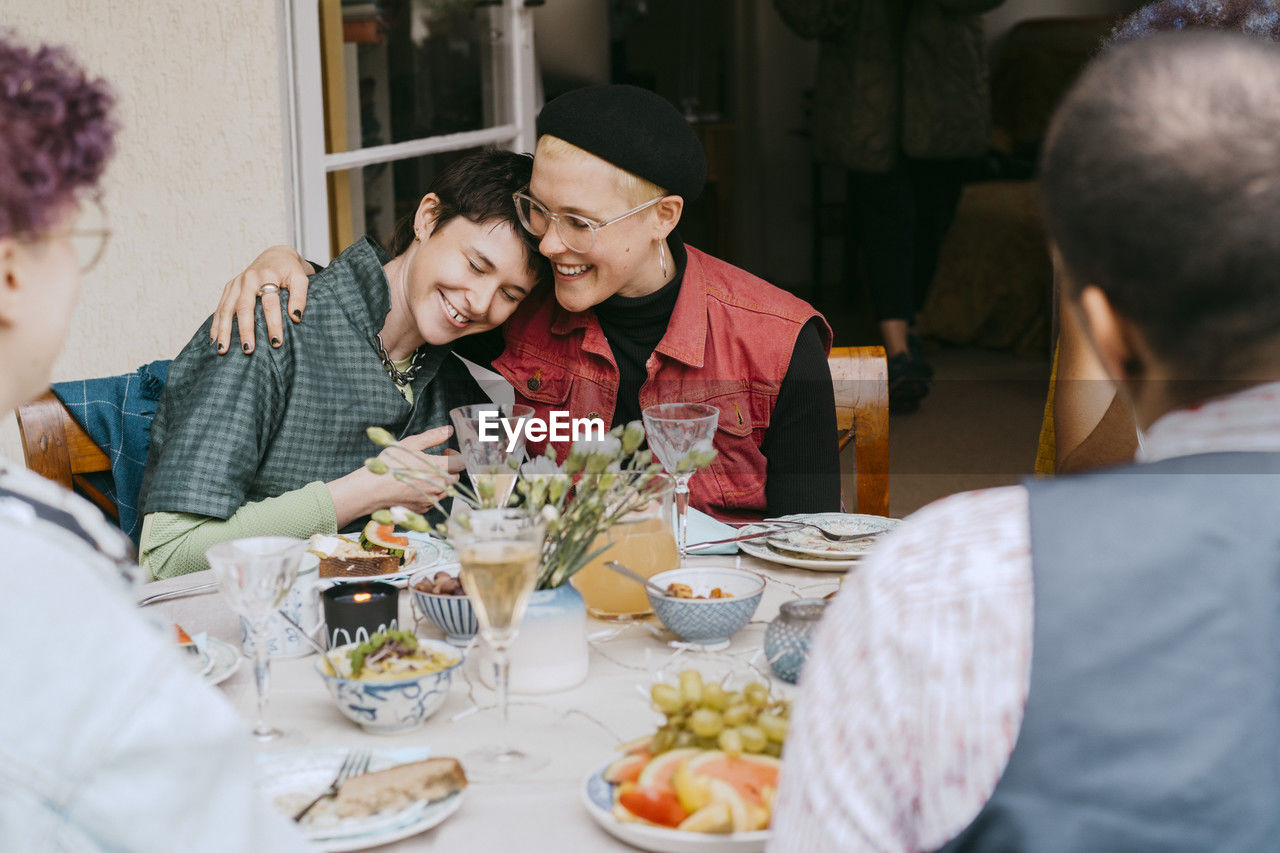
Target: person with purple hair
x=1087, y=425
x=97, y=744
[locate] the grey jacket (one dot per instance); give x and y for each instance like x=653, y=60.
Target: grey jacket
x=896, y=77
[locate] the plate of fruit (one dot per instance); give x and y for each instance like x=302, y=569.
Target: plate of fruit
x=704, y=782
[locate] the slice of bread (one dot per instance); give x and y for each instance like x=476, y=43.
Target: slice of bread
x=362, y=566
x=396, y=787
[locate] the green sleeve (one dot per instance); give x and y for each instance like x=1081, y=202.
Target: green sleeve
x=173, y=543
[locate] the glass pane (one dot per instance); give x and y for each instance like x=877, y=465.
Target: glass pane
x=371, y=200
x=418, y=68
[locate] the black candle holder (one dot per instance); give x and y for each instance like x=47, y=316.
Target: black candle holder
x=353, y=612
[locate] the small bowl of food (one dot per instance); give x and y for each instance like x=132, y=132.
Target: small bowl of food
x=392, y=683
x=439, y=596
x=706, y=605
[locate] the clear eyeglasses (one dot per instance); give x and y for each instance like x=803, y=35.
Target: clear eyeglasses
x=576, y=232
x=88, y=238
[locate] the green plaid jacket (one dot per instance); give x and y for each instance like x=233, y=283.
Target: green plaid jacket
x=234, y=429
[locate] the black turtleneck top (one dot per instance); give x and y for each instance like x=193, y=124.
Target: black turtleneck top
x=802, y=473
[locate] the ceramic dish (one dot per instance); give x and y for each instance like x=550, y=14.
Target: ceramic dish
x=807, y=542
x=226, y=660
x=709, y=622
x=295, y=776
x=432, y=554
x=392, y=707
x=452, y=614
x=760, y=548
x=597, y=796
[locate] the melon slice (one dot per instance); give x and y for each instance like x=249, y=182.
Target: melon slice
x=626, y=769
x=713, y=818
x=750, y=775
x=658, y=772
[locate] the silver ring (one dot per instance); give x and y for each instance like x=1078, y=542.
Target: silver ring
x=268, y=288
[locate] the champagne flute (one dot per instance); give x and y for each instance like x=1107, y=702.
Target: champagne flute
x=491, y=439
x=674, y=430
x=255, y=575
x=500, y=551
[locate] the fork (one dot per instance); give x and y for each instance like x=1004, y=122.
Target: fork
x=827, y=534
x=353, y=764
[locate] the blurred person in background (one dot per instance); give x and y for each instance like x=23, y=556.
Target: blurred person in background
x=108, y=740
x=1089, y=662
x=902, y=103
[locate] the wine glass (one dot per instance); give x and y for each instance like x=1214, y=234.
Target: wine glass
x=673, y=430
x=491, y=439
x=255, y=575
x=500, y=552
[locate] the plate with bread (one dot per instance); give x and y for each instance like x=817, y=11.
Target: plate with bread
x=379, y=552
x=403, y=793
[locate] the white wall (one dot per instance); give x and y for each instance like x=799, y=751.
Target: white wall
x=196, y=187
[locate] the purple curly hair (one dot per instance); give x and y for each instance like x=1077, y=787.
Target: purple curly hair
x=56, y=134
x=1252, y=17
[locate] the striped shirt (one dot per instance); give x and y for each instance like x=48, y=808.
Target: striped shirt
x=913, y=696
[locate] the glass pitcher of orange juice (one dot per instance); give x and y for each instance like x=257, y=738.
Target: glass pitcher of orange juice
x=644, y=542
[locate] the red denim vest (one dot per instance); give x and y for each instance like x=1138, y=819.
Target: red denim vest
x=728, y=344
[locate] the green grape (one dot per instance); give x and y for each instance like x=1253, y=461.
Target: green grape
x=665, y=698
x=730, y=741
x=706, y=743
x=736, y=715
x=706, y=723
x=774, y=727
x=714, y=697
x=756, y=694
x=663, y=739
x=753, y=739
x=677, y=721
x=685, y=738
x=691, y=687
x=773, y=748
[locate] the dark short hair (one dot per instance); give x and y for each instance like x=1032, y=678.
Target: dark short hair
x=1160, y=182
x=1258, y=18
x=56, y=135
x=478, y=187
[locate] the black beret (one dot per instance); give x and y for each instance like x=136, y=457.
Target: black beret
x=634, y=129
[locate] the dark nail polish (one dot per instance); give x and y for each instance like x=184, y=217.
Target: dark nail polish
x=275, y=342
x=245, y=347
x=297, y=314
x=222, y=347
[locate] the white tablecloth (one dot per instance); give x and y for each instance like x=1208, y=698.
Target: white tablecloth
x=578, y=730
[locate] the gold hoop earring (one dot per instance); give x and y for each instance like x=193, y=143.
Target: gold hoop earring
x=662, y=258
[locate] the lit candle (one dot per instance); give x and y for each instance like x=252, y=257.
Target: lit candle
x=355, y=611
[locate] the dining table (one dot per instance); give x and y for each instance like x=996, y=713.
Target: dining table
x=578, y=730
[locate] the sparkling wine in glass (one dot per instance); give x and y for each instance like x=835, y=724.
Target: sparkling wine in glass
x=500, y=551
x=255, y=575
x=491, y=464
x=674, y=430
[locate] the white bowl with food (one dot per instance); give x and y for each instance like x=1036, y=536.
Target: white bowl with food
x=392, y=683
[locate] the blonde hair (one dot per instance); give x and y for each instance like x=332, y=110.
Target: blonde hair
x=635, y=189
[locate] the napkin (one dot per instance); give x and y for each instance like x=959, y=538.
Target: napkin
x=704, y=528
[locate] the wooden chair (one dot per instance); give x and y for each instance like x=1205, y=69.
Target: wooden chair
x=860, y=376
x=57, y=447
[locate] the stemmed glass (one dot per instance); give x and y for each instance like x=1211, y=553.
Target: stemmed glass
x=255, y=575
x=491, y=460
x=500, y=552
x=674, y=430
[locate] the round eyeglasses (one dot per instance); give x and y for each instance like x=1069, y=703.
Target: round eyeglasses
x=88, y=238
x=576, y=232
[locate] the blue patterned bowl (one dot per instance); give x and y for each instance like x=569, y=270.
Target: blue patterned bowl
x=452, y=614
x=391, y=707
x=709, y=622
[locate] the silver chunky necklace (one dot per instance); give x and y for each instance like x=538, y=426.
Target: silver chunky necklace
x=400, y=377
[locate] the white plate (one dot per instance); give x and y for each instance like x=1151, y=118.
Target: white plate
x=226, y=660
x=301, y=774
x=432, y=554
x=758, y=548
x=805, y=541
x=200, y=661
x=597, y=796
